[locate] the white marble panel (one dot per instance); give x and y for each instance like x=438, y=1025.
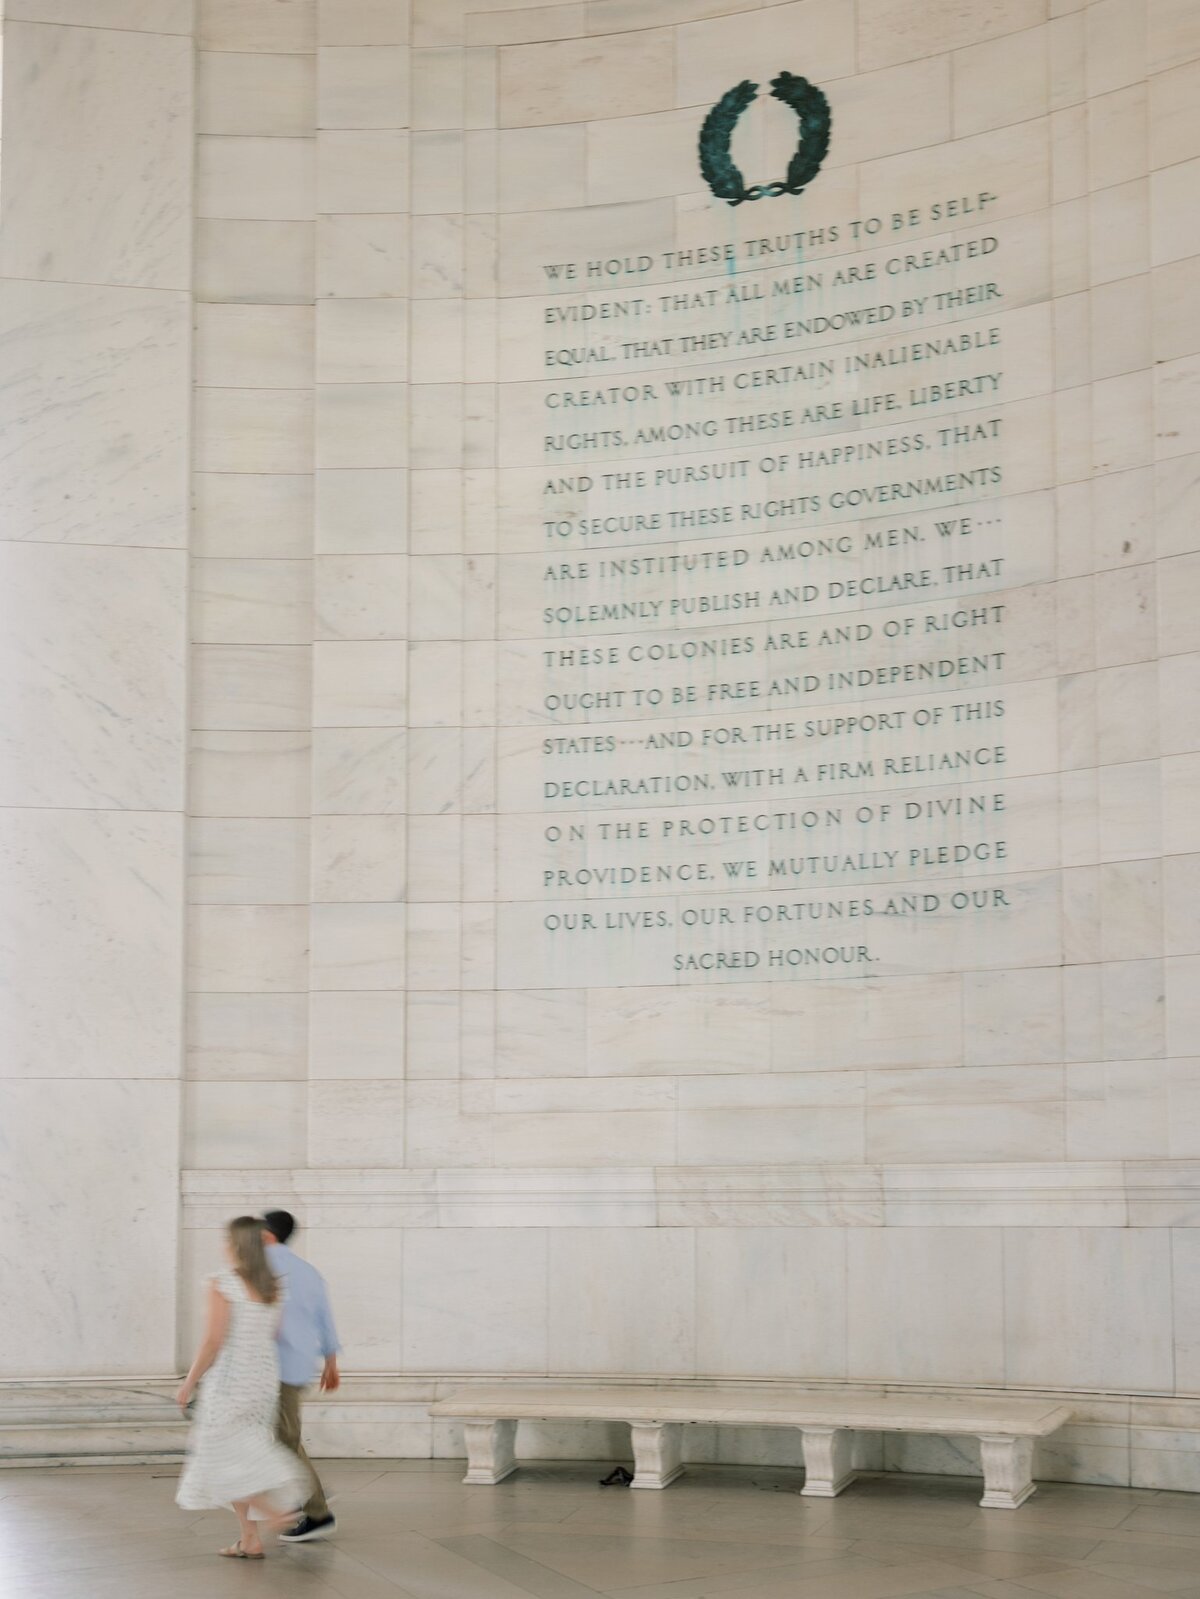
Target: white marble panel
x=570, y=81
x=254, y=262
x=1182, y=1005
x=917, y=1019
x=433, y=1042
x=1185, y=1257
x=359, y=771
x=344, y=22
x=362, y=256
x=669, y=1031
x=361, y=512
x=358, y=946
x=112, y=1148
x=436, y=859
x=1088, y=1307
x=253, y=430
x=359, y=683
x=248, y=949
x=1172, y=118
x=818, y=32
x=542, y=1033
x=244, y=1126
x=438, y=1133
x=361, y=597
x=364, y=170
x=1175, y=317
x=1011, y=1017
x=357, y=1036
x=249, y=774
x=1132, y=1009
x=539, y=169
x=249, y=515
x=1001, y=81
x=755, y=1137
x=97, y=160
x=362, y=341
x=362, y=1268
x=1181, y=906
x=254, y=346
x=250, y=687
x=237, y=601
x=925, y=1304
x=771, y=1300
x=94, y=410
x=285, y=25
x=255, y=179
x=255, y=93
x=592, y=1269
x=999, y=1131
x=1118, y=1110
x=358, y=1124
x=244, y=1036
x=1175, y=231
x=248, y=861
x=363, y=86
x=589, y=1138
x=475, y=1300
x=99, y=988
x=135, y=16
x=362, y=425
x=898, y=30
x=358, y=858
x=91, y=676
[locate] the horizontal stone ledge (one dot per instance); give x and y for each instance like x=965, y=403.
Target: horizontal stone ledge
x=999, y=1194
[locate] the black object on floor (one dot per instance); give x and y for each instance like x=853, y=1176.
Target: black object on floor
x=306, y=1529
x=618, y=1477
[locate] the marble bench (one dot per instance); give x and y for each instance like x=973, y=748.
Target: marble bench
x=1006, y=1428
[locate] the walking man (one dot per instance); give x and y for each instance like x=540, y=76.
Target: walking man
x=307, y=1340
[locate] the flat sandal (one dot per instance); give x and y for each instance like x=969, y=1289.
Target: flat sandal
x=236, y=1552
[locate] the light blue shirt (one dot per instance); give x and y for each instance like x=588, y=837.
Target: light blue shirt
x=306, y=1331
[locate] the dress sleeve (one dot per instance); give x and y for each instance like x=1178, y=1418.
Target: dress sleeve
x=228, y=1284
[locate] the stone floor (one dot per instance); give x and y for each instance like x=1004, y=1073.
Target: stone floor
x=410, y=1530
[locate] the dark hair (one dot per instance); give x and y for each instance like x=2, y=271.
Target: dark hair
x=280, y=1223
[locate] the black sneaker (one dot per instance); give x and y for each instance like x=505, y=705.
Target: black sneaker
x=306, y=1529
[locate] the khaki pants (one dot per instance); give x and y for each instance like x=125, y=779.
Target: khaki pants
x=287, y=1429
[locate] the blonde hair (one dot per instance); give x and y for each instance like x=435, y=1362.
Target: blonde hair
x=250, y=1260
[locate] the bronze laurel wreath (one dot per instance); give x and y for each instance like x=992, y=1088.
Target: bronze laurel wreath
x=716, y=134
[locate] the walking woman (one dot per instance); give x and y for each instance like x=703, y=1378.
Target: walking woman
x=233, y=1456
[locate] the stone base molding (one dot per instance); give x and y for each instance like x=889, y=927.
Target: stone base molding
x=1122, y=1440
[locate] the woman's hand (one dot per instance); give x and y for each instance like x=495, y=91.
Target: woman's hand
x=183, y=1397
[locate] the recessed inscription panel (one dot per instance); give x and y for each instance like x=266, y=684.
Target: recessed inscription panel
x=777, y=619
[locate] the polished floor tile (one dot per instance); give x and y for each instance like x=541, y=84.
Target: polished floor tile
x=412, y=1530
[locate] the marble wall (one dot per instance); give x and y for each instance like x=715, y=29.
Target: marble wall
x=974, y=1162
x=95, y=229
x=974, y=1165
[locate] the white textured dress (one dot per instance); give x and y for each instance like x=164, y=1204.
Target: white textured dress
x=233, y=1452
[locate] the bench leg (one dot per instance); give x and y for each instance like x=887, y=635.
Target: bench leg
x=656, y=1453
x=1007, y=1471
x=491, y=1455
x=828, y=1456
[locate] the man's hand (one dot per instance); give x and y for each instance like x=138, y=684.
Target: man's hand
x=331, y=1378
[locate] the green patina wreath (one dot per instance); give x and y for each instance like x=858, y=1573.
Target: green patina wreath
x=716, y=134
